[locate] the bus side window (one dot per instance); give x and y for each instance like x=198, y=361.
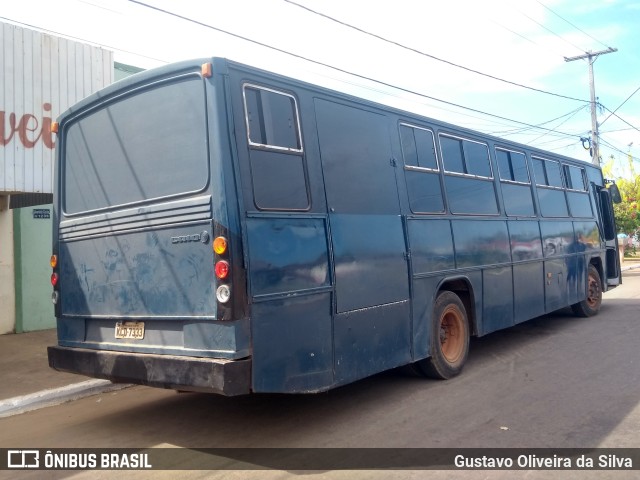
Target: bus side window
x=452, y=155
x=272, y=119
x=515, y=183
x=476, y=157
x=547, y=173
x=575, y=178
x=512, y=166
x=421, y=169
x=551, y=195
x=468, y=178
x=577, y=196
x=278, y=173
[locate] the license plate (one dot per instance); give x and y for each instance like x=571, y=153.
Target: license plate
x=130, y=330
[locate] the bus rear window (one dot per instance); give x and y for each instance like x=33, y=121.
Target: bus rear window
x=150, y=145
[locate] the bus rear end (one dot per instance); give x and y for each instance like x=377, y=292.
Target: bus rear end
x=143, y=266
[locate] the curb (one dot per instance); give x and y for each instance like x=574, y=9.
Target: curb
x=56, y=396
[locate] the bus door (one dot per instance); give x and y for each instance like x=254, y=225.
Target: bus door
x=605, y=204
x=371, y=305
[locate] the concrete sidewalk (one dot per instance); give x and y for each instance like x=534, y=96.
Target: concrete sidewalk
x=27, y=382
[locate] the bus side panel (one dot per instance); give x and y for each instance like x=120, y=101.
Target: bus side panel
x=371, y=340
x=484, y=244
x=287, y=255
x=588, y=246
x=528, y=271
x=432, y=252
x=292, y=349
x=557, y=244
x=528, y=290
x=291, y=312
x=369, y=264
x=497, y=294
x=424, y=295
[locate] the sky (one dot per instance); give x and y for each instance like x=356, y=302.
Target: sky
x=496, y=66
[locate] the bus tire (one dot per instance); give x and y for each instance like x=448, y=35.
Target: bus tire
x=449, y=338
x=590, y=306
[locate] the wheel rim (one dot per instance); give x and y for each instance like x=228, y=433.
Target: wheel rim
x=452, y=334
x=593, y=294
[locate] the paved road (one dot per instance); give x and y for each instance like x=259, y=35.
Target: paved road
x=556, y=381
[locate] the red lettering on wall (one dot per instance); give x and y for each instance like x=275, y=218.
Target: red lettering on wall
x=29, y=129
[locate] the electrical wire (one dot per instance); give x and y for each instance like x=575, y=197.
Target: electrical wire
x=511, y=121
x=618, y=117
x=613, y=113
x=560, y=124
x=555, y=149
x=551, y=31
x=613, y=147
x=574, y=26
x=524, y=129
x=527, y=125
x=317, y=62
x=428, y=55
x=71, y=37
x=518, y=34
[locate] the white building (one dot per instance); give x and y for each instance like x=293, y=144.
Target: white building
x=42, y=76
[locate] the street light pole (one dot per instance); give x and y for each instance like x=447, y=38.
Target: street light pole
x=592, y=56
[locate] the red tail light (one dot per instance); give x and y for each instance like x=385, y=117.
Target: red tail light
x=222, y=269
x=54, y=279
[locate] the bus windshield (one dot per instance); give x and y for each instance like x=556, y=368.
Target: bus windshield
x=150, y=145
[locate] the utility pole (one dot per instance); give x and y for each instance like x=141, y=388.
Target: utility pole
x=592, y=56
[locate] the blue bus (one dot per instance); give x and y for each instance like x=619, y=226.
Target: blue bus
x=220, y=228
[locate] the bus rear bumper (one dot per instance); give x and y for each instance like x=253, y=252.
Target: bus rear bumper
x=211, y=375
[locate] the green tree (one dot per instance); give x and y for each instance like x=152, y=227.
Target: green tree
x=627, y=213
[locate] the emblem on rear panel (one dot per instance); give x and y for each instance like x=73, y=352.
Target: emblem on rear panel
x=195, y=237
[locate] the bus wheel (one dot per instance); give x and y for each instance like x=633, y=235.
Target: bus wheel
x=590, y=305
x=449, y=338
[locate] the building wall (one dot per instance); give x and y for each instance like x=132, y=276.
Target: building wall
x=7, y=291
x=41, y=76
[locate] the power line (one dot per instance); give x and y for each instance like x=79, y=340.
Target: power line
x=71, y=37
x=554, y=149
x=617, y=130
x=518, y=34
x=613, y=147
x=552, y=32
x=523, y=129
x=555, y=140
x=283, y=51
x=420, y=52
x=612, y=113
x=561, y=123
x=574, y=26
x=317, y=62
x=620, y=118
